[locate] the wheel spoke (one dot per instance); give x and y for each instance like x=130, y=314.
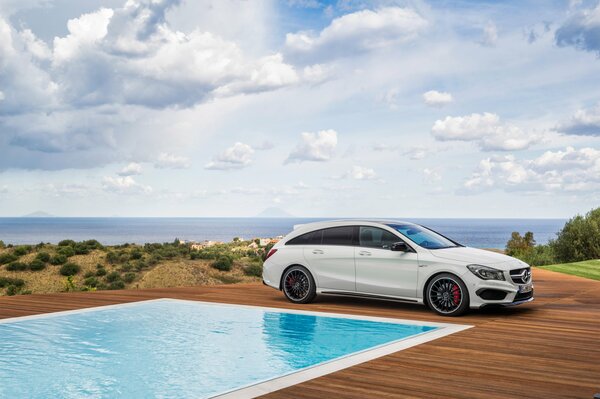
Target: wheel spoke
x=445, y=295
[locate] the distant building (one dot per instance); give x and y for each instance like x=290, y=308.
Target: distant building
x=204, y=244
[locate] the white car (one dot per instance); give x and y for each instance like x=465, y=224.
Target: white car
x=393, y=260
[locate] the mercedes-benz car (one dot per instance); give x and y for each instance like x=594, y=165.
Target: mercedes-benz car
x=393, y=260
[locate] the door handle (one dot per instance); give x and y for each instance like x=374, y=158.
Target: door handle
x=364, y=253
x=318, y=251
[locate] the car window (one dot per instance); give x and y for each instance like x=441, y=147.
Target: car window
x=338, y=235
x=312, y=238
x=423, y=236
x=374, y=237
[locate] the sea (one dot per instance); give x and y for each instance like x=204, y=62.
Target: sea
x=478, y=233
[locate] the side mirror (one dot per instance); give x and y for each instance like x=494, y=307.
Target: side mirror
x=400, y=247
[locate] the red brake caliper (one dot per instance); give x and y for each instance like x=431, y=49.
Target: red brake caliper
x=455, y=294
x=290, y=281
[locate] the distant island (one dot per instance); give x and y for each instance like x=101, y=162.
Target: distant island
x=274, y=212
x=38, y=214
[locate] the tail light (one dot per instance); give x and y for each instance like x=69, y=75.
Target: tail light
x=271, y=252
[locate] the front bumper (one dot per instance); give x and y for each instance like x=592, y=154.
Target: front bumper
x=492, y=292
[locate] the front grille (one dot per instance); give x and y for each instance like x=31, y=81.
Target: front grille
x=521, y=276
x=524, y=296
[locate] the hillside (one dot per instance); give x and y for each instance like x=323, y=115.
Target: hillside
x=77, y=266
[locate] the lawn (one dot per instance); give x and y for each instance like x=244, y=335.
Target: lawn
x=588, y=269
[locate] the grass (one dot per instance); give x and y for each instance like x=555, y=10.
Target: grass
x=588, y=269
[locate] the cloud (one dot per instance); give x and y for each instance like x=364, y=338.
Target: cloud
x=171, y=161
x=435, y=98
x=553, y=171
x=431, y=175
x=4, y=189
x=490, y=35
x=317, y=147
x=124, y=185
x=131, y=169
x=358, y=31
x=585, y=122
x=235, y=157
x=581, y=30
x=485, y=130
x=362, y=173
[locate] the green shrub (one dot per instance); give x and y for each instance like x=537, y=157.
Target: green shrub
x=126, y=268
x=81, y=249
x=112, y=277
x=70, y=269
x=254, y=269
x=43, y=256
x=11, y=290
x=6, y=281
x=223, y=263
x=140, y=265
x=16, y=267
x=136, y=254
x=112, y=257
x=91, y=282
x=58, y=259
x=7, y=258
x=116, y=285
x=93, y=244
x=129, y=277
x=2, y=245
x=66, y=243
x=89, y=274
x=36, y=265
x=67, y=251
x=22, y=250
x=579, y=239
x=101, y=272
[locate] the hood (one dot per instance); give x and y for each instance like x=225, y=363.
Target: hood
x=478, y=256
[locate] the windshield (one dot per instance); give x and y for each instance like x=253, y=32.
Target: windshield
x=423, y=237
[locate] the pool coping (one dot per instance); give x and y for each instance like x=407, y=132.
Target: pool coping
x=296, y=377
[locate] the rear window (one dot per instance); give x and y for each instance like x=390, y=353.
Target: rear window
x=312, y=238
x=338, y=235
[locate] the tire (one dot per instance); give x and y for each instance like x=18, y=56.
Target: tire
x=298, y=285
x=447, y=295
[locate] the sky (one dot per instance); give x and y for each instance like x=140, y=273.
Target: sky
x=344, y=108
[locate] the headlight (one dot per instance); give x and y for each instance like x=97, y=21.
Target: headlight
x=486, y=273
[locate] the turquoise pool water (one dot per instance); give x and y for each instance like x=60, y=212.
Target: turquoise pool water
x=173, y=349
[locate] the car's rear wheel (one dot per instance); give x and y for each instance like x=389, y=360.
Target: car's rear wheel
x=447, y=295
x=298, y=285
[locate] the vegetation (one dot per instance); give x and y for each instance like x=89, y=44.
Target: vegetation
x=578, y=240
x=588, y=269
x=89, y=266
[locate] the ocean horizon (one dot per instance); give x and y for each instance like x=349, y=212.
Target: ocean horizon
x=479, y=233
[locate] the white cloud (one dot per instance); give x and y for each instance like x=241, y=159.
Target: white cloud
x=318, y=146
x=4, y=189
x=359, y=31
x=581, y=30
x=484, y=129
x=362, y=173
x=235, y=157
x=585, y=122
x=171, y=161
x=131, y=169
x=1, y=96
x=431, y=175
x=490, y=35
x=553, y=171
x=124, y=185
x=436, y=98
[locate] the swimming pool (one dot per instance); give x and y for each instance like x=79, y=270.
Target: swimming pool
x=170, y=348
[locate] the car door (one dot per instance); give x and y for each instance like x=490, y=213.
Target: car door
x=381, y=271
x=332, y=258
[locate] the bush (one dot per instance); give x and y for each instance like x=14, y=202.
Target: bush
x=22, y=250
x=129, y=277
x=16, y=267
x=223, y=263
x=116, y=285
x=66, y=251
x=112, y=277
x=91, y=282
x=11, y=290
x=519, y=244
x=81, y=249
x=101, y=272
x=6, y=281
x=136, y=254
x=66, y=243
x=36, y=265
x=2, y=245
x=253, y=269
x=70, y=269
x=7, y=258
x=58, y=259
x=579, y=239
x=89, y=274
x=43, y=256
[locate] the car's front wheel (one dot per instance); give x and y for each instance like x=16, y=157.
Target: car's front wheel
x=298, y=285
x=447, y=295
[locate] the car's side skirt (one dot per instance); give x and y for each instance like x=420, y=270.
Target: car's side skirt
x=369, y=296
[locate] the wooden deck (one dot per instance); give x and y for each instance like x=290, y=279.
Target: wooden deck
x=546, y=349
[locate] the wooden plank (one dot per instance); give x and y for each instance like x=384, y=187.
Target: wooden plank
x=547, y=349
